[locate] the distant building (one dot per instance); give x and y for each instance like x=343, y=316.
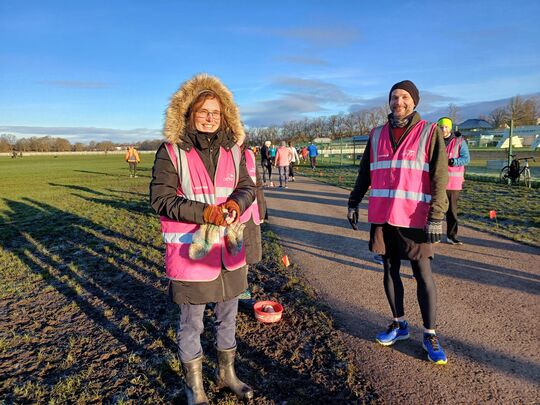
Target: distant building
x=322, y=140
x=480, y=133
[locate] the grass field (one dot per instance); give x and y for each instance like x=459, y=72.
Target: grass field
x=517, y=207
x=84, y=314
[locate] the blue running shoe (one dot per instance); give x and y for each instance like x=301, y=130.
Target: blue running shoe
x=396, y=331
x=433, y=348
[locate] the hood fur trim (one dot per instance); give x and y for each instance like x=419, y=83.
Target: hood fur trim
x=175, y=117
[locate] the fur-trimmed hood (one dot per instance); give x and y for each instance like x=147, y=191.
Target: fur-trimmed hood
x=176, y=116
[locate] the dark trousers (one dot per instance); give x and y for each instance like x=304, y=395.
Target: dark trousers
x=313, y=160
x=291, y=169
x=425, y=288
x=267, y=169
x=191, y=326
x=452, y=213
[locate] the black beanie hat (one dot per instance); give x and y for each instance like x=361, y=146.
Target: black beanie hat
x=409, y=87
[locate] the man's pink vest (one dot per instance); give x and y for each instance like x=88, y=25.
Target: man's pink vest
x=400, y=185
x=253, y=209
x=456, y=174
x=195, y=184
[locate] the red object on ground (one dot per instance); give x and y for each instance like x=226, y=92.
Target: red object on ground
x=268, y=317
x=285, y=261
x=492, y=214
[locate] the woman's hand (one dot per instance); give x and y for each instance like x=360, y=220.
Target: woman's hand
x=232, y=209
x=214, y=214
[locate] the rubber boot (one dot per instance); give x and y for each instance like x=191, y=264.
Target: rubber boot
x=194, y=382
x=226, y=376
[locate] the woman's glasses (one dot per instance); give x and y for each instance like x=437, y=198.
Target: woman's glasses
x=205, y=113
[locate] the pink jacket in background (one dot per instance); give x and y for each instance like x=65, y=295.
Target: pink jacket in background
x=283, y=156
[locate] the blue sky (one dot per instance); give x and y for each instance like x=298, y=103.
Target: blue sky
x=106, y=69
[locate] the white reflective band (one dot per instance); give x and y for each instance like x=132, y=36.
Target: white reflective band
x=204, y=198
x=172, y=237
x=455, y=174
x=224, y=191
x=407, y=195
x=401, y=164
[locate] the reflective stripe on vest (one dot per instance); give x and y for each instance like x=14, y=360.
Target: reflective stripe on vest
x=195, y=184
x=400, y=185
x=253, y=210
x=456, y=174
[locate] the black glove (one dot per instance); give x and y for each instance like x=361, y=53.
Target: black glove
x=352, y=216
x=451, y=162
x=433, y=230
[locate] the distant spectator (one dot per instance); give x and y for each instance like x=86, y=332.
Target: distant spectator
x=313, y=153
x=132, y=157
x=458, y=157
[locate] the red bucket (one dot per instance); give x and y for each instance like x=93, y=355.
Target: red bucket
x=268, y=311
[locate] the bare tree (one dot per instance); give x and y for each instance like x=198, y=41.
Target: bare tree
x=523, y=111
x=498, y=117
x=453, y=113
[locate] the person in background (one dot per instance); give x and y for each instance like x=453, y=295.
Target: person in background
x=133, y=159
x=458, y=157
x=282, y=161
x=304, y=153
x=266, y=163
x=273, y=151
x=200, y=188
x=407, y=168
x=253, y=216
x=313, y=153
x=295, y=158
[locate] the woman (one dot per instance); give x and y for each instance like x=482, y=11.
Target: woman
x=200, y=187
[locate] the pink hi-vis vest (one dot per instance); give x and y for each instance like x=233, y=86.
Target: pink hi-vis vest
x=456, y=174
x=400, y=185
x=195, y=184
x=253, y=209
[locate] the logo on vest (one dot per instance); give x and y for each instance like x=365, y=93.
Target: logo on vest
x=229, y=178
x=383, y=156
x=409, y=153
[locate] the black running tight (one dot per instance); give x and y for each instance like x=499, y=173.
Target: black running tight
x=425, y=289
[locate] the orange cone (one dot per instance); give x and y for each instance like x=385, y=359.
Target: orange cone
x=285, y=261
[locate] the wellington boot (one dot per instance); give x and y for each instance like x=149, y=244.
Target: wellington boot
x=226, y=376
x=194, y=382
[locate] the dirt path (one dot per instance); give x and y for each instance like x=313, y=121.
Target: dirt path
x=488, y=304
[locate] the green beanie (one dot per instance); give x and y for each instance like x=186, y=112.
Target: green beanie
x=445, y=122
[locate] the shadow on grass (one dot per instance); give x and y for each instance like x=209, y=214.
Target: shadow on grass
x=102, y=273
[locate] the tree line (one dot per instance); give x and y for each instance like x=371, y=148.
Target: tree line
x=9, y=143
x=524, y=111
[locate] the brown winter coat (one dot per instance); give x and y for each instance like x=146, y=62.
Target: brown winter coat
x=164, y=182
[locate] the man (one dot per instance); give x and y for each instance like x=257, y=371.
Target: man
x=266, y=162
x=407, y=169
x=458, y=157
x=313, y=153
x=132, y=157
